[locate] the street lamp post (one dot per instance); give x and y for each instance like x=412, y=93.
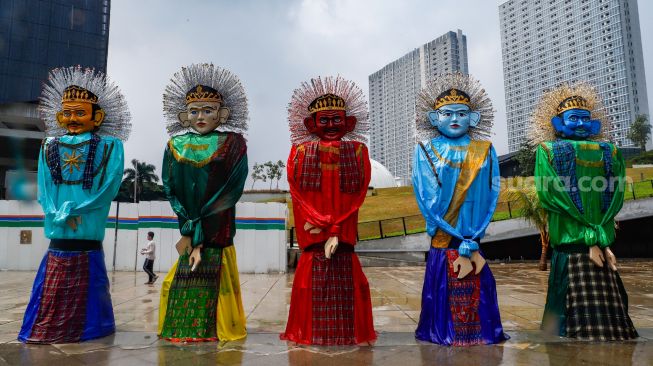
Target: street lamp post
x=135, y=179
x=135, y=195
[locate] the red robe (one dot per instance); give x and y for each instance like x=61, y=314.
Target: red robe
x=336, y=213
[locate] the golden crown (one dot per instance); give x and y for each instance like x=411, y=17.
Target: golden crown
x=202, y=93
x=327, y=102
x=451, y=96
x=573, y=102
x=76, y=93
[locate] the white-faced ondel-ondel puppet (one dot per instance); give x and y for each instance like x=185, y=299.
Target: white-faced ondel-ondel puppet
x=79, y=174
x=455, y=178
x=580, y=179
x=204, y=172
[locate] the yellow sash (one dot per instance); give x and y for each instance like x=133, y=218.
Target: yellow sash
x=476, y=154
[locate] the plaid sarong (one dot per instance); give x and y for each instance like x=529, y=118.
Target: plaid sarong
x=87, y=178
x=62, y=310
x=333, y=299
x=311, y=171
x=53, y=158
x=54, y=161
x=608, y=193
x=597, y=305
x=193, y=299
x=564, y=161
x=350, y=170
x=464, y=298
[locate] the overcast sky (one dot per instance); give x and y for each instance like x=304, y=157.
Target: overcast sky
x=275, y=45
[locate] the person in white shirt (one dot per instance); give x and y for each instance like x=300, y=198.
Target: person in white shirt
x=150, y=254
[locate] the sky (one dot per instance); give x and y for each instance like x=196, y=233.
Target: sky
x=273, y=46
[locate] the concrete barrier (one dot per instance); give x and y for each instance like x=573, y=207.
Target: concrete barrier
x=260, y=237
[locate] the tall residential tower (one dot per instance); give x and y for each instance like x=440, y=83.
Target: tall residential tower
x=393, y=90
x=548, y=42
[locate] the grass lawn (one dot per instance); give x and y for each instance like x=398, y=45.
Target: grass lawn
x=390, y=205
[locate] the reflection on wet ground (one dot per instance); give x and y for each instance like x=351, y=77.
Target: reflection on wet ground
x=396, y=301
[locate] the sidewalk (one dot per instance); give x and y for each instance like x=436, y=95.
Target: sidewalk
x=396, y=299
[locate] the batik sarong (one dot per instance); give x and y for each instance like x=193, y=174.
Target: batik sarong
x=468, y=314
x=205, y=304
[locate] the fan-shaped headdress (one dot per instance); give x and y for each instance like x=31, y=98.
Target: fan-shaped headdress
x=581, y=95
x=77, y=84
x=453, y=88
x=230, y=93
x=327, y=94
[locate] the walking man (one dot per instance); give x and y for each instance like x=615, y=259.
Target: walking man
x=150, y=253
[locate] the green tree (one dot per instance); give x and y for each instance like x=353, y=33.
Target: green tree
x=531, y=210
x=145, y=177
x=257, y=173
x=280, y=165
x=274, y=171
x=270, y=171
x=640, y=131
x=526, y=159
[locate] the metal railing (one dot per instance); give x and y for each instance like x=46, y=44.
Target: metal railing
x=413, y=224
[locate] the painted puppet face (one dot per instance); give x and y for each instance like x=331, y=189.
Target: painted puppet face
x=204, y=117
x=79, y=117
x=330, y=125
x=454, y=120
x=576, y=124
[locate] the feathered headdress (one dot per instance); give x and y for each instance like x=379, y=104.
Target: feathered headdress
x=564, y=97
x=474, y=96
x=226, y=83
x=104, y=93
x=327, y=93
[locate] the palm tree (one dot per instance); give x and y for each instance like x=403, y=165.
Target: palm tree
x=530, y=209
x=145, y=176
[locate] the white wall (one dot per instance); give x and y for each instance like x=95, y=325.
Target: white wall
x=260, y=237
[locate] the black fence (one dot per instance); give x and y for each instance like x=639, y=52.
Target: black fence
x=413, y=224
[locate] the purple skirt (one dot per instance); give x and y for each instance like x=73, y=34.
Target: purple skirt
x=458, y=312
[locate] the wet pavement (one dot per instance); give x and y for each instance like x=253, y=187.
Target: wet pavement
x=396, y=300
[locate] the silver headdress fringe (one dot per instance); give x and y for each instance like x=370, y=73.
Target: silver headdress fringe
x=222, y=80
x=355, y=105
x=541, y=128
x=479, y=102
x=117, y=117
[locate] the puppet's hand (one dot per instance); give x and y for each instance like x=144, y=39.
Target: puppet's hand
x=330, y=246
x=478, y=260
x=462, y=266
x=183, y=245
x=596, y=255
x=195, y=257
x=311, y=228
x=610, y=258
x=73, y=222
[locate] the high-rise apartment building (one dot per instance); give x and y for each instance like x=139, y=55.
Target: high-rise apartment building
x=35, y=37
x=548, y=42
x=393, y=90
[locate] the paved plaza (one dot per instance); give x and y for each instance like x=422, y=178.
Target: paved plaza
x=396, y=301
